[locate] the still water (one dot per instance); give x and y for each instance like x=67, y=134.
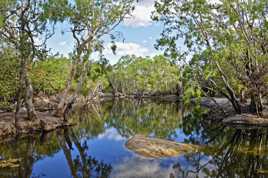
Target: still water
x=95, y=146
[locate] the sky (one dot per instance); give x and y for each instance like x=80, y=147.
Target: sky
x=139, y=32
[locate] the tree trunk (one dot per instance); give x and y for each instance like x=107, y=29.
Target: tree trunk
x=66, y=102
x=28, y=97
x=242, y=97
x=68, y=155
x=256, y=105
x=62, y=106
x=232, y=96
x=25, y=92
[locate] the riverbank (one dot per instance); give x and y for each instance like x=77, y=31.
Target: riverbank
x=46, y=122
x=154, y=96
x=219, y=110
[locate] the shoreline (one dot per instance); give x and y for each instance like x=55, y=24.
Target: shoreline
x=47, y=122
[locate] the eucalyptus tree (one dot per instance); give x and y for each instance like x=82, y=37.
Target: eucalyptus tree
x=24, y=27
x=90, y=20
x=228, y=40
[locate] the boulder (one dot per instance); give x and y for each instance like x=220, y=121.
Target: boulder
x=158, y=148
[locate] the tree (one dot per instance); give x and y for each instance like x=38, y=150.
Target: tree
x=230, y=38
x=90, y=20
x=24, y=28
x=139, y=75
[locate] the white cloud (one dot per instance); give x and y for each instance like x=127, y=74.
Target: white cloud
x=152, y=168
x=111, y=134
x=141, y=16
x=62, y=43
x=138, y=167
x=123, y=49
x=129, y=48
x=144, y=41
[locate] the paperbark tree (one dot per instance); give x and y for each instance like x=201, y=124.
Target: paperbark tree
x=24, y=27
x=90, y=20
x=233, y=34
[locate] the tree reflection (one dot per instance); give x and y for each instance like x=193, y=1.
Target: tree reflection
x=81, y=165
x=148, y=118
x=28, y=150
x=31, y=149
x=242, y=154
x=227, y=152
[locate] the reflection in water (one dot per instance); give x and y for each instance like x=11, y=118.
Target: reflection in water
x=95, y=147
x=83, y=165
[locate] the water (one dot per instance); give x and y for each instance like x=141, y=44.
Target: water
x=95, y=147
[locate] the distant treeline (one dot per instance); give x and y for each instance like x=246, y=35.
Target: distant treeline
x=130, y=75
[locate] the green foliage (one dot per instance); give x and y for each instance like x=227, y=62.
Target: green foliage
x=90, y=20
x=8, y=77
x=144, y=75
x=97, y=76
x=228, y=40
x=50, y=75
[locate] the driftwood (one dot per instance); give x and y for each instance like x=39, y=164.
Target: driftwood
x=157, y=148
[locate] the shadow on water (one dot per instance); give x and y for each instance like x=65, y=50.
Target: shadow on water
x=95, y=147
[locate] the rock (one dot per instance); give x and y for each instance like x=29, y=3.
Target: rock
x=22, y=110
x=7, y=129
x=262, y=171
x=7, y=126
x=158, y=148
x=49, y=122
x=10, y=163
x=108, y=95
x=24, y=125
x=254, y=150
x=45, y=122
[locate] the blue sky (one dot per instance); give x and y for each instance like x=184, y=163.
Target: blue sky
x=139, y=31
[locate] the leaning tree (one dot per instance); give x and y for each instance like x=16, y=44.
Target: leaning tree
x=90, y=20
x=229, y=42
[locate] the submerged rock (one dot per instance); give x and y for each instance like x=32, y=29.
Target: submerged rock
x=157, y=148
x=10, y=163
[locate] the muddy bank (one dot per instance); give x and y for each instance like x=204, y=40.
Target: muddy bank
x=46, y=122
